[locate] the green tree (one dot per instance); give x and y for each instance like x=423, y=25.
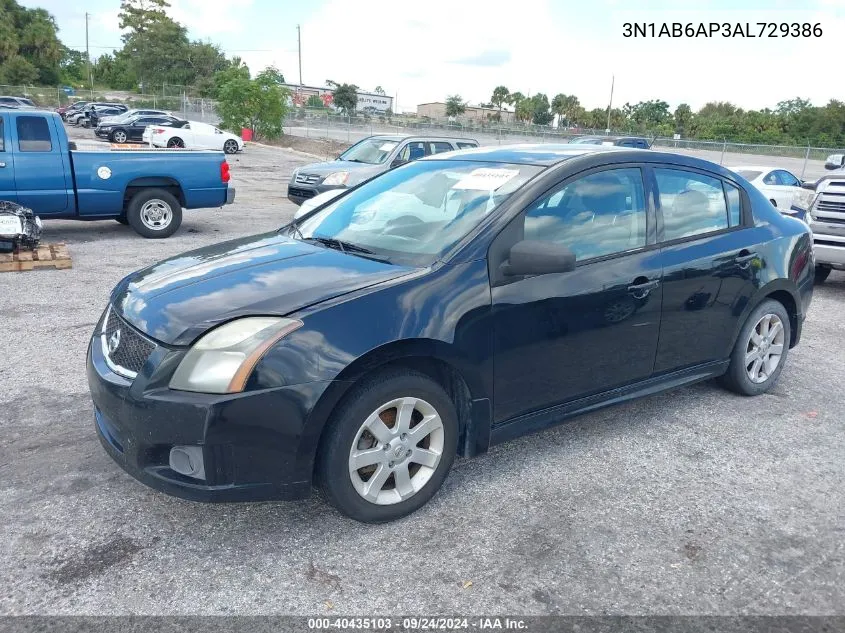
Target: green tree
x=500, y=97
x=157, y=46
x=379, y=90
x=345, y=97
x=540, y=114
x=683, y=118
x=564, y=106
x=17, y=71
x=455, y=106
x=73, y=67
x=28, y=39
x=258, y=104
x=314, y=102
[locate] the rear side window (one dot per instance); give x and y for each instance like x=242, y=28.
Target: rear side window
x=33, y=134
x=734, y=208
x=438, y=147
x=691, y=204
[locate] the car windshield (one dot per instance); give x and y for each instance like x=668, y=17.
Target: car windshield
x=413, y=214
x=748, y=174
x=372, y=151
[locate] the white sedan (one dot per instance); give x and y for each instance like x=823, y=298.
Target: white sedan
x=778, y=185
x=194, y=135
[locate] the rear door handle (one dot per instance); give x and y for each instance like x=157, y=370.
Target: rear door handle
x=744, y=258
x=640, y=290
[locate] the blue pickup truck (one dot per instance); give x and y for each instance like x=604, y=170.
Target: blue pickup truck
x=147, y=189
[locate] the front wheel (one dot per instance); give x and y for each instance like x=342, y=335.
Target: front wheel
x=388, y=447
x=230, y=146
x=760, y=351
x=822, y=273
x=118, y=136
x=154, y=213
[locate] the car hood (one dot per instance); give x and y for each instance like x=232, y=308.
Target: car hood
x=176, y=300
x=357, y=171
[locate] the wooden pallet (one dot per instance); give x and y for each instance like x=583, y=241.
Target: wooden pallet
x=45, y=256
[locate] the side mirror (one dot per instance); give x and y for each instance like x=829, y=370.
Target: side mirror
x=535, y=257
x=834, y=161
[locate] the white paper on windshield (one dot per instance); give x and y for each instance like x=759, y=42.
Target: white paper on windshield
x=386, y=147
x=485, y=179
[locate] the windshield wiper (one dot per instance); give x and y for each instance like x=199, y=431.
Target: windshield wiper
x=347, y=247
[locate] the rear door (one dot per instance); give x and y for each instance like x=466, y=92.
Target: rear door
x=7, y=162
x=709, y=263
x=39, y=165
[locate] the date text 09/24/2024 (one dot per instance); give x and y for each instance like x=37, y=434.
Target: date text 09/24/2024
x=721, y=29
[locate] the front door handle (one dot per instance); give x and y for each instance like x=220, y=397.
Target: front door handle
x=640, y=290
x=2, y=165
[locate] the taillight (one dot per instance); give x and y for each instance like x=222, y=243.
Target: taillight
x=158, y=130
x=224, y=172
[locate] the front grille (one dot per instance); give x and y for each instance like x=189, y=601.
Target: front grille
x=301, y=193
x=125, y=349
x=307, y=179
x=831, y=203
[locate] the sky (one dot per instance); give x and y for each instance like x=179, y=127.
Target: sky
x=423, y=51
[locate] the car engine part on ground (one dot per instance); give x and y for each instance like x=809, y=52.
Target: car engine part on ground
x=19, y=227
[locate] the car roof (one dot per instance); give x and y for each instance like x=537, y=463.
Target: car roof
x=547, y=155
x=405, y=137
x=756, y=168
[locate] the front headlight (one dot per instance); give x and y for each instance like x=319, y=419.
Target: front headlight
x=337, y=178
x=222, y=360
x=803, y=200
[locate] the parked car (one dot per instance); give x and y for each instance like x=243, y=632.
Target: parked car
x=66, y=111
x=523, y=285
x=620, y=141
x=130, y=114
x=193, y=135
x=132, y=129
x=822, y=205
x=94, y=117
x=17, y=103
x=81, y=117
x=147, y=190
x=778, y=185
x=364, y=160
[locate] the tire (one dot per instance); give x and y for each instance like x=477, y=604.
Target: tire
x=346, y=432
x=743, y=358
x=146, y=205
x=175, y=142
x=117, y=135
x=230, y=146
x=822, y=273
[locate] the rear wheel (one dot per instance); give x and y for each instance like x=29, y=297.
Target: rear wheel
x=176, y=142
x=388, y=447
x=822, y=273
x=154, y=213
x=230, y=146
x=760, y=351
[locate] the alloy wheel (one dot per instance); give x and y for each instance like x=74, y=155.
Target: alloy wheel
x=764, y=348
x=120, y=137
x=396, y=451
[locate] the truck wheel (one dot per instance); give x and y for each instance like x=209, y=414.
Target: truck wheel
x=822, y=273
x=154, y=213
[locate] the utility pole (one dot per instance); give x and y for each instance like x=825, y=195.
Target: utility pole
x=88, y=56
x=299, y=50
x=610, y=105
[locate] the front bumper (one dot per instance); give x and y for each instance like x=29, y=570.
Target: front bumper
x=299, y=193
x=251, y=443
x=102, y=133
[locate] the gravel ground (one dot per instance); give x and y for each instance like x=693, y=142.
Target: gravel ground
x=690, y=502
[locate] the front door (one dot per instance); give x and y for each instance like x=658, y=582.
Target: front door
x=560, y=337
x=7, y=163
x=40, y=170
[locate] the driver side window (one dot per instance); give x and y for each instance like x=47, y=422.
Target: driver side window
x=597, y=215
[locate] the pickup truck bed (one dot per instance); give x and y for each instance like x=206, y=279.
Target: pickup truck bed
x=147, y=189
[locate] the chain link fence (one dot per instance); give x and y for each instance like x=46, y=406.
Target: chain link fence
x=804, y=162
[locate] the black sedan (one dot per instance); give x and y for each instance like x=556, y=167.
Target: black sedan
x=441, y=308
x=133, y=129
